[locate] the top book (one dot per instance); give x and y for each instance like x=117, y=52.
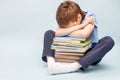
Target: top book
x=69, y=38
x=70, y=42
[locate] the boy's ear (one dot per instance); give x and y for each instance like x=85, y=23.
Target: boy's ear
x=79, y=17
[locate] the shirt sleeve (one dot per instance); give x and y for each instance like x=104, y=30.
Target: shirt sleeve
x=94, y=18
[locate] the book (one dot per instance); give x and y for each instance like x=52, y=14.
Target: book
x=72, y=44
x=66, y=41
x=65, y=60
x=69, y=53
x=67, y=57
x=71, y=49
x=69, y=38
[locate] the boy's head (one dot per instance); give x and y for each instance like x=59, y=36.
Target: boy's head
x=68, y=13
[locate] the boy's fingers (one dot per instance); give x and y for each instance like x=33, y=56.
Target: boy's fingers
x=90, y=19
x=92, y=22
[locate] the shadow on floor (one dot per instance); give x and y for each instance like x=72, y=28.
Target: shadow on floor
x=94, y=68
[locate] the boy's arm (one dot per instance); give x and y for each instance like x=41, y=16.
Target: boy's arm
x=67, y=31
x=83, y=33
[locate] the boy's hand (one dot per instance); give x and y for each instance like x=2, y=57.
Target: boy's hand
x=89, y=20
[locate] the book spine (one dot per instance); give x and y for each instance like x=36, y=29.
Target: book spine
x=67, y=57
x=65, y=60
x=68, y=53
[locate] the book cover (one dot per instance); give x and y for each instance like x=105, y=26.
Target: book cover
x=77, y=44
x=66, y=41
x=69, y=38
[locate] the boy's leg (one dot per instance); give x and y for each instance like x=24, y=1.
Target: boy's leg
x=48, y=39
x=95, y=63
x=97, y=53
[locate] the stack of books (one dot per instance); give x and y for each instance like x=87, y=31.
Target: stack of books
x=70, y=49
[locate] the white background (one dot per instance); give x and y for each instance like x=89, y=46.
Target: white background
x=22, y=27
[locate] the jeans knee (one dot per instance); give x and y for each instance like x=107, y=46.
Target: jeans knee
x=110, y=41
x=49, y=32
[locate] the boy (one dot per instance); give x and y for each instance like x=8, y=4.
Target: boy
x=74, y=22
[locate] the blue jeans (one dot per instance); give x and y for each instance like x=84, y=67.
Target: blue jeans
x=92, y=57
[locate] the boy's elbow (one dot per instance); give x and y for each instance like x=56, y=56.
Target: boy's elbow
x=84, y=35
x=56, y=34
